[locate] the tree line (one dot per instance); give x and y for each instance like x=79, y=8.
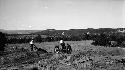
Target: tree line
x=3, y=41
x=102, y=39
x=39, y=38
x=109, y=40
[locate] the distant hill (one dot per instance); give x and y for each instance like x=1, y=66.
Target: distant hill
x=53, y=32
x=19, y=31
x=78, y=31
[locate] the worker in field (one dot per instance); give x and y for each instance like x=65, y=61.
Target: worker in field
x=62, y=43
x=31, y=44
x=63, y=46
x=56, y=49
x=68, y=49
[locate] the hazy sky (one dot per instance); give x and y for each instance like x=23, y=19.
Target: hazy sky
x=61, y=14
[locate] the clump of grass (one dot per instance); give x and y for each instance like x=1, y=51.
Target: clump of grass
x=34, y=68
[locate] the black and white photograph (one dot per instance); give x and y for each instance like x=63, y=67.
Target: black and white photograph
x=62, y=34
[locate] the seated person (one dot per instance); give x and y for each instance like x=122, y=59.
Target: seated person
x=56, y=49
x=63, y=47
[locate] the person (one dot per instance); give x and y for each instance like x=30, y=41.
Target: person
x=56, y=49
x=69, y=49
x=31, y=45
x=62, y=43
x=63, y=46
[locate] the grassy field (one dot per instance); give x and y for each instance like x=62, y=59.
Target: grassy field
x=76, y=46
x=49, y=46
x=84, y=57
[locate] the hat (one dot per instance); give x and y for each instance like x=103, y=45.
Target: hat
x=61, y=41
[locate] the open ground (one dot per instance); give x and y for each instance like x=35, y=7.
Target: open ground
x=84, y=57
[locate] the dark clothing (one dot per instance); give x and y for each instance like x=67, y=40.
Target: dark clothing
x=62, y=44
x=66, y=48
x=31, y=45
x=69, y=49
x=63, y=47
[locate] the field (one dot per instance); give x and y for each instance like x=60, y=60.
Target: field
x=49, y=46
x=84, y=57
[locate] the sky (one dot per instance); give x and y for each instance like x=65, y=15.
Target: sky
x=61, y=14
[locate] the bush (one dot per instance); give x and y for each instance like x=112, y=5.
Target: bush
x=101, y=40
x=34, y=68
x=3, y=41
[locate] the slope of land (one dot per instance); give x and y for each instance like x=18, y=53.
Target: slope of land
x=84, y=57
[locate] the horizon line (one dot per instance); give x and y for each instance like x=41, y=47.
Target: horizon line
x=63, y=29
